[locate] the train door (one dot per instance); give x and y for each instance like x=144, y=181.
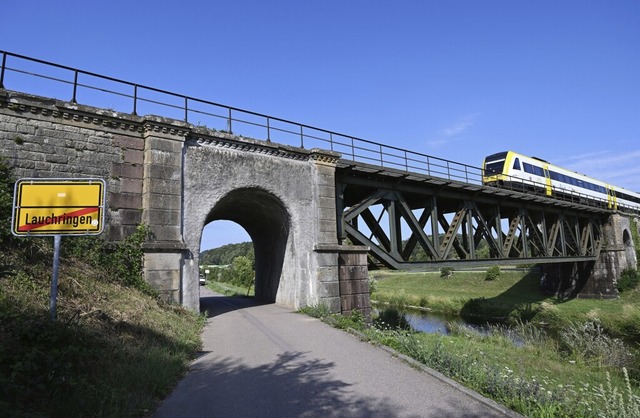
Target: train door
x=547, y=179
x=612, y=198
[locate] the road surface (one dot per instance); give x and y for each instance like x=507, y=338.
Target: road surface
x=267, y=361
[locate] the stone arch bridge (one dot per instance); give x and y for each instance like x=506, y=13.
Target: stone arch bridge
x=297, y=204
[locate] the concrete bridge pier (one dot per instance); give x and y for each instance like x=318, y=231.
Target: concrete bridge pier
x=597, y=279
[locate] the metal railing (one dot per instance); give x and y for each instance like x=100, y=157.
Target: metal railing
x=38, y=77
x=128, y=97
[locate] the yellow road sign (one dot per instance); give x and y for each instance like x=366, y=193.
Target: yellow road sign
x=58, y=207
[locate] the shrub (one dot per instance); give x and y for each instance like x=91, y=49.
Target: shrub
x=446, y=272
x=492, y=273
x=629, y=280
x=373, y=284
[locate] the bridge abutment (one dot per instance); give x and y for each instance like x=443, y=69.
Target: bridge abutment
x=597, y=279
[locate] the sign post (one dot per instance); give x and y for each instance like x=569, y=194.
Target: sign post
x=58, y=207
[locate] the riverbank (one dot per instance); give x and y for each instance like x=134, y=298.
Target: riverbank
x=513, y=296
x=569, y=359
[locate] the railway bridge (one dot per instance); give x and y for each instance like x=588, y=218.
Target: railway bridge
x=319, y=206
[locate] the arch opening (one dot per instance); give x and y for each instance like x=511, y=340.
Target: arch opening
x=267, y=222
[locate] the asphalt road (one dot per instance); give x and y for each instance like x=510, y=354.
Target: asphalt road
x=267, y=361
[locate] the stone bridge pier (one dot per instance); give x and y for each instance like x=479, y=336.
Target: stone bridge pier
x=284, y=197
x=176, y=177
x=597, y=279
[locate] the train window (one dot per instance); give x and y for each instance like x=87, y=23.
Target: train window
x=494, y=167
x=516, y=164
x=528, y=167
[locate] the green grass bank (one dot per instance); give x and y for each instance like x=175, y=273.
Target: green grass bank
x=545, y=358
x=114, y=350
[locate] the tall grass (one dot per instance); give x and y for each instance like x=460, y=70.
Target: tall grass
x=115, y=348
x=524, y=369
x=546, y=358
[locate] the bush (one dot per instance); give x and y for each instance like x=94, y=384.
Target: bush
x=629, y=280
x=446, y=272
x=492, y=273
x=122, y=260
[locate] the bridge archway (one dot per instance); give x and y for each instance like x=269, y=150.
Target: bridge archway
x=267, y=222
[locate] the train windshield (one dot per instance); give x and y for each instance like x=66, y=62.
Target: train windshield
x=494, y=163
x=493, y=167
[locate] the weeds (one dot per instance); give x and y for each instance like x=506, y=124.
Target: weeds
x=115, y=348
x=589, y=344
x=532, y=396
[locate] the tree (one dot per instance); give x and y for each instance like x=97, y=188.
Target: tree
x=243, y=272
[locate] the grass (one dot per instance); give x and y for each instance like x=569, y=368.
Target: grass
x=556, y=358
x=114, y=350
x=513, y=296
x=229, y=289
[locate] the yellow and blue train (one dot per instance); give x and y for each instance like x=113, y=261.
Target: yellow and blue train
x=513, y=170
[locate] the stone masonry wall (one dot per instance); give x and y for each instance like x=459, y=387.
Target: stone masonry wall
x=44, y=138
x=143, y=160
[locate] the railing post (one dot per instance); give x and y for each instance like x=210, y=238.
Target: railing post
x=186, y=109
x=4, y=64
x=381, y=156
x=268, y=130
x=406, y=162
x=229, y=122
x=75, y=86
x=135, y=99
x=331, y=140
x=353, y=150
x=301, y=138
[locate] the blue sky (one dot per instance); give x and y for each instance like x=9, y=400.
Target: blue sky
x=458, y=80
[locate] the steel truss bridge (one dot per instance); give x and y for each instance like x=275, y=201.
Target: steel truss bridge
x=382, y=191
x=451, y=220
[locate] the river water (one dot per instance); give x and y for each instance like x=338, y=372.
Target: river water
x=427, y=321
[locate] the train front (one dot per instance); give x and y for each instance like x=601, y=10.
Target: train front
x=494, y=172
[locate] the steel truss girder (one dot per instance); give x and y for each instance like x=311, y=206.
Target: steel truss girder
x=450, y=231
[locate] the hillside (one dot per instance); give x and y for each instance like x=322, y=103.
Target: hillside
x=224, y=255
x=115, y=349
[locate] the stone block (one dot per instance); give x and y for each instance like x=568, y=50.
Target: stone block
x=164, y=158
x=328, y=289
x=163, y=261
x=156, y=171
x=133, y=156
x=130, y=142
x=163, y=279
x=127, y=170
x=130, y=216
x=163, y=217
x=129, y=185
x=164, y=144
x=333, y=303
x=164, y=232
x=162, y=201
x=117, y=201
